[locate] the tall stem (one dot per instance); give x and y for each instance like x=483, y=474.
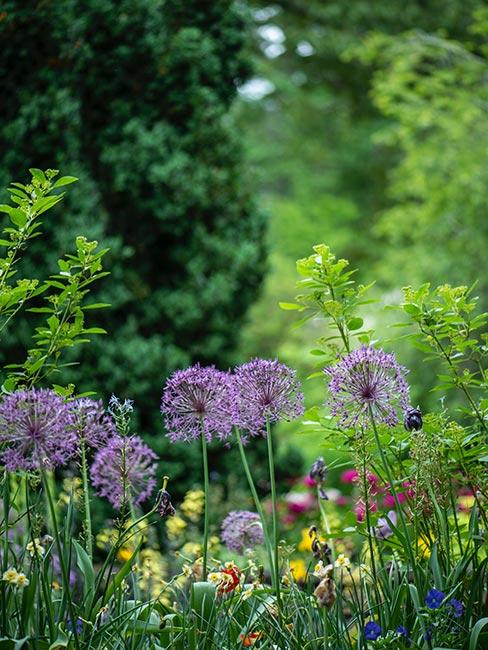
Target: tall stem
x=86, y=501
x=6, y=510
x=276, y=566
x=64, y=572
x=395, y=497
x=258, y=506
x=206, y=490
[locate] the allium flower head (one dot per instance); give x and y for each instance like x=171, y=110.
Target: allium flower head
x=367, y=377
x=242, y=530
x=265, y=390
x=38, y=428
x=124, y=469
x=93, y=424
x=197, y=399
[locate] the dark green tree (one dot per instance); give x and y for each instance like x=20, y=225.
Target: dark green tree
x=134, y=98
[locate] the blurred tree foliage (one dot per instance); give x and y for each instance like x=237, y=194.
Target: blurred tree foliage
x=133, y=97
x=367, y=124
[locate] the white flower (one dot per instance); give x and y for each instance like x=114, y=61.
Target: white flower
x=342, y=561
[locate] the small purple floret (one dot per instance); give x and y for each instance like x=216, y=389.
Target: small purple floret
x=455, y=607
x=372, y=631
x=242, y=530
x=265, y=391
x=38, y=428
x=124, y=470
x=434, y=598
x=367, y=378
x=198, y=399
x=93, y=424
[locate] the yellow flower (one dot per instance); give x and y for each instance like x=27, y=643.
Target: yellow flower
x=342, y=561
x=35, y=548
x=298, y=569
x=124, y=553
x=22, y=581
x=305, y=544
x=10, y=576
x=175, y=527
x=423, y=547
x=191, y=549
x=193, y=504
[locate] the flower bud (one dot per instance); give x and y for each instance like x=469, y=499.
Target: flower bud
x=413, y=420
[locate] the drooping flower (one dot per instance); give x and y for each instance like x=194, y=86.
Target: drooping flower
x=265, y=390
x=38, y=429
x=242, y=530
x=93, y=424
x=198, y=399
x=367, y=378
x=163, y=504
x=124, y=469
x=455, y=607
x=413, y=420
x=372, y=631
x=383, y=528
x=434, y=598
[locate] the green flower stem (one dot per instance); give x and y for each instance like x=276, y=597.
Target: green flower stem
x=258, y=506
x=368, y=517
x=6, y=509
x=395, y=497
x=206, y=490
x=64, y=572
x=86, y=500
x=276, y=566
x=325, y=521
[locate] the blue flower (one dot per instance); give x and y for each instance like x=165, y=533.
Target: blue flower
x=434, y=598
x=403, y=632
x=372, y=631
x=455, y=608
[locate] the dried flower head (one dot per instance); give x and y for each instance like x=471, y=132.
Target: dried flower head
x=38, y=428
x=265, y=391
x=197, y=399
x=413, y=420
x=163, y=504
x=124, y=469
x=93, y=424
x=367, y=378
x=242, y=530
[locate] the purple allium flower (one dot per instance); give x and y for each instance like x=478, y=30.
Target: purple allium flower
x=434, y=598
x=197, y=399
x=372, y=631
x=383, y=527
x=455, y=607
x=124, y=469
x=265, y=390
x=38, y=428
x=366, y=378
x=242, y=530
x=93, y=425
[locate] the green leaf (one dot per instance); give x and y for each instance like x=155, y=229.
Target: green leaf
x=18, y=217
x=86, y=567
x=291, y=306
x=65, y=180
x=38, y=174
x=6, y=208
x=355, y=323
x=475, y=633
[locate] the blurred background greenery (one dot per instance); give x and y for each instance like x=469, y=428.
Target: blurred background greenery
x=216, y=142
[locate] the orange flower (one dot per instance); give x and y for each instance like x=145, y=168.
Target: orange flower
x=250, y=639
x=231, y=578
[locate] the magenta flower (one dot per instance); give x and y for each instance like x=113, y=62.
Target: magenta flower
x=265, y=391
x=242, y=530
x=198, y=399
x=93, y=424
x=366, y=379
x=38, y=430
x=124, y=470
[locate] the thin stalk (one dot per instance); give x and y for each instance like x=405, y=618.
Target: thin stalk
x=64, y=572
x=395, y=497
x=325, y=521
x=86, y=501
x=258, y=506
x=276, y=567
x=206, y=512
x=6, y=510
x=366, y=509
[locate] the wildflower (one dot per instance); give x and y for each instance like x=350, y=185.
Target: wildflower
x=93, y=425
x=350, y=476
x=321, y=570
x=125, y=553
x=193, y=504
x=163, y=504
x=342, y=561
x=124, y=469
x=241, y=530
x=383, y=527
x=227, y=579
x=197, y=400
x=455, y=608
x=38, y=428
x=34, y=547
x=10, y=576
x=413, y=420
x=372, y=631
x=299, y=502
x=423, y=546
x=250, y=638
x=265, y=391
x=22, y=581
x=325, y=592
x=403, y=633
x=298, y=569
x=434, y=598
x=78, y=626
x=175, y=527
x=366, y=379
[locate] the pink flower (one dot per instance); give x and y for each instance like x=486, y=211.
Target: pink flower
x=360, y=510
x=308, y=481
x=349, y=476
x=299, y=502
x=389, y=500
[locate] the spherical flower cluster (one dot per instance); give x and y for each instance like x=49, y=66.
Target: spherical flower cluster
x=242, y=530
x=124, y=469
x=38, y=428
x=367, y=379
x=265, y=391
x=93, y=424
x=198, y=400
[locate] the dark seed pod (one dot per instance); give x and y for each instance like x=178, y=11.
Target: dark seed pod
x=318, y=471
x=413, y=420
x=164, y=506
